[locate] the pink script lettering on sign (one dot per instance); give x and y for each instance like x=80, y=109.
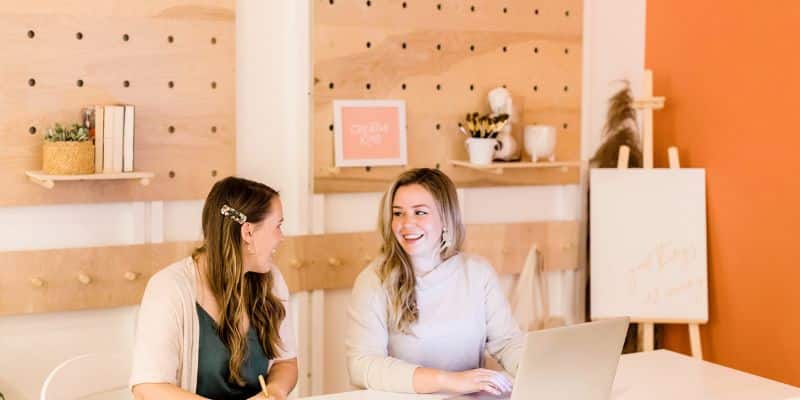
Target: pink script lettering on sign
x=370, y=132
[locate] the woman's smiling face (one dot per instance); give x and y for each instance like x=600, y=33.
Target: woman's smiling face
x=416, y=221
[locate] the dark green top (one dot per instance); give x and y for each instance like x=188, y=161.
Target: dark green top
x=212, y=363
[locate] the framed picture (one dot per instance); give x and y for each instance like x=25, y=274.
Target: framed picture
x=369, y=132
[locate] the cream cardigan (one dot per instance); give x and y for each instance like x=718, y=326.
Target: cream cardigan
x=165, y=347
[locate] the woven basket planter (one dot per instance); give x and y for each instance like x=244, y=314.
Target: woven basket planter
x=68, y=158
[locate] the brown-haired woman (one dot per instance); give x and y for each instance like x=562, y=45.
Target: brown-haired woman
x=210, y=324
x=423, y=313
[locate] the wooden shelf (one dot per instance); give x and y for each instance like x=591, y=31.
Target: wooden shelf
x=48, y=181
x=498, y=167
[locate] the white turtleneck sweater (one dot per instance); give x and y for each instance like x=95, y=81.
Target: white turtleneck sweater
x=462, y=312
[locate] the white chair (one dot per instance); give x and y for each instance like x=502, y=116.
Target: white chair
x=86, y=375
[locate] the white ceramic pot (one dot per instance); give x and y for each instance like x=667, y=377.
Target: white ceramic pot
x=481, y=150
x=540, y=142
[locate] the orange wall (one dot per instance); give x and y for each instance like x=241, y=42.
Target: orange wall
x=731, y=74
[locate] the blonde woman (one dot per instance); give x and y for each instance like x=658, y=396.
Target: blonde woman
x=422, y=314
x=211, y=323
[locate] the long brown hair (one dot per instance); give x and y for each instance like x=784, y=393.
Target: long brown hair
x=237, y=293
x=395, y=270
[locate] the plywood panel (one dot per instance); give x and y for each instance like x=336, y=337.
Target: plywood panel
x=443, y=62
x=49, y=280
x=188, y=43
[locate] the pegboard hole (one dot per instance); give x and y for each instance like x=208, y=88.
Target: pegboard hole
x=405, y=5
x=438, y=127
x=566, y=13
x=213, y=85
x=565, y=126
x=213, y=173
x=170, y=39
x=403, y=86
x=79, y=83
x=438, y=87
x=126, y=83
x=126, y=37
x=367, y=168
x=330, y=127
x=213, y=40
x=79, y=35
x=536, y=12
x=535, y=88
x=471, y=87
x=171, y=174
x=536, y=50
x=439, y=6
x=369, y=86
x=369, y=3
x=171, y=129
x=369, y=44
x=566, y=88
x=32, y=130
x=566, y=51
x=437, y=165
x=330, y=85
x=330, y=2
x=31, y=34
x=505, y=10
x=404, y=45
x=505, y=49
x=472, y=8
x=472, y=47
x=171, y=84
x=213, y=129
x=31, y=82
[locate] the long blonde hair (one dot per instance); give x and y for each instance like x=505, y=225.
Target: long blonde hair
x=237, y=293
x=395, y=271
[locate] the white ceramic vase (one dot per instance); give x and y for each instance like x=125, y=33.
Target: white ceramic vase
x=540, y=142
x=481, y=150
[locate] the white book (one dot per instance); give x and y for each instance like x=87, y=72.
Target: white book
x=98, y=138
x=117, y=139
x=108, y=138
x=127, y=140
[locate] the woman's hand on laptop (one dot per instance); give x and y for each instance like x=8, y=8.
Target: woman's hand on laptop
x=476, y=380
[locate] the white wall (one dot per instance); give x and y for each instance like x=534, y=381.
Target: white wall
x=273, y=72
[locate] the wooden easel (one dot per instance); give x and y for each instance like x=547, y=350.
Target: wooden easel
x=646, y=106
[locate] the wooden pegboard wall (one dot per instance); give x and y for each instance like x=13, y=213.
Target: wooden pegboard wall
x=82, y=278
x=174, y=60
x=442, y=58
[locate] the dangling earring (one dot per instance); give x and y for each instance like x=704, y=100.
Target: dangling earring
x=445, y=238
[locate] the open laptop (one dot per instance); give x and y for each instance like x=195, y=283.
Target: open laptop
x=571, y=362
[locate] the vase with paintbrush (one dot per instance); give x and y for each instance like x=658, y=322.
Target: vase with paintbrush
x=481, y=132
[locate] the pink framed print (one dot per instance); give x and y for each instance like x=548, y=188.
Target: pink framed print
x=369, y=132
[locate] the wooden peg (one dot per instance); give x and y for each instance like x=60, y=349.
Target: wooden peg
x=295, y=263
x=84, y=279
x=37, y=282
x=334, y=262
x=131, y=276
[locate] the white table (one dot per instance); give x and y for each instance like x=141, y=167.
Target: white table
x=654, y=375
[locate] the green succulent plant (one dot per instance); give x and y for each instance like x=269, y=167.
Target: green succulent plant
x=74, y=133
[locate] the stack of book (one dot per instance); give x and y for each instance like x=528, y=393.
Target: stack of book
x=113, y=138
